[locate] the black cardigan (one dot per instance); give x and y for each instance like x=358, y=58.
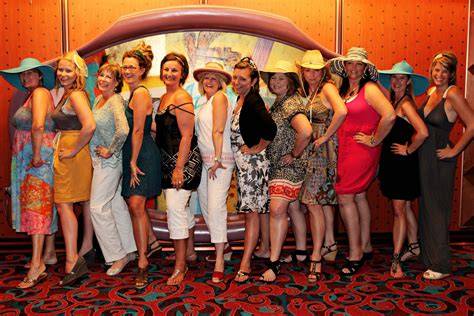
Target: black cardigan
x=255, y=122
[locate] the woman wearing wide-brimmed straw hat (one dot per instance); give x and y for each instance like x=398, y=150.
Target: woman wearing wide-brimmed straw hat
x=286, y=153
x=72, y=160
x=369, y=119
x=437, y=157
x=326, y=112
x=33, y=209
x=398, y=171
x=213, y=133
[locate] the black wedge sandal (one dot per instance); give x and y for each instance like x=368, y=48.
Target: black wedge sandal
x=274, y=266
x=352, y=267
x=293, y=257
x=314, y=276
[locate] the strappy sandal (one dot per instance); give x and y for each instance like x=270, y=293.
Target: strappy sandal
x=151, y=250
x=314, y=275
x=273, y=266
x=78, y=271
x=293, y=257
x=141, y=279
x=394, y=271
x=329, y=252
x=242, y=274
x=175, y=275
x=411, y=252
x=31, y=282
x=352, y=266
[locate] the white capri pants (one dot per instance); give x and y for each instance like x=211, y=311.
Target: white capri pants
x=109, y=213
x=179, y=215
x=212, y=195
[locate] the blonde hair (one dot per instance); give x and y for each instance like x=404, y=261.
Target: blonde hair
x=143, y=54
x=449, y=61
x=80, y=69
x=220, y=79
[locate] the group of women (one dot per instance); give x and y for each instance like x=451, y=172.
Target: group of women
x=319, y=145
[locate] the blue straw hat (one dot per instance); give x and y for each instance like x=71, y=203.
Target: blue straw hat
x=420, y=83
x=13, y=75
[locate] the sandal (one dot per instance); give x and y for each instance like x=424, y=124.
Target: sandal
x=352, y=267
x=177, y=273
x=411, y=252
x=141, y=279
x=293, y=257
x=151, y=250
x=433, y=275
x=395, y=272
x=217, y=277
x=242, y=276
x=30, y=282
x=314, y=275
x=79, y=270
x=273, y=266
x=329, y=253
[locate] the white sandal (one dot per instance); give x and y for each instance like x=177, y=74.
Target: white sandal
x=433, y=275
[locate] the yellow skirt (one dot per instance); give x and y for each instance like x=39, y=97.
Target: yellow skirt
x=72, y=176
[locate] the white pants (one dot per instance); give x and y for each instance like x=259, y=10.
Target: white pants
x=110, y=215
x=212, y=195
x=180, y=217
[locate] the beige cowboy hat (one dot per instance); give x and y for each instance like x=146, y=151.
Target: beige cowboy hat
x=312, y=59
x=354, y=54
x=281, y=66
x=215, y=68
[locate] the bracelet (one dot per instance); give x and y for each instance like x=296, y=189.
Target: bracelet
x=406, y=151
x=216, y=159
x=372, y=139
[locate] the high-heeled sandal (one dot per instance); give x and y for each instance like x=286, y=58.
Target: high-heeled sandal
x=313, y=275
x=152, y=248
x=273, y=266
x=329, y=253
x=394, y=271
x=411, y=252
x=352, y=266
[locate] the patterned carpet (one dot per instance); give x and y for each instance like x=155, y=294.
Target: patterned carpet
x=370, y=292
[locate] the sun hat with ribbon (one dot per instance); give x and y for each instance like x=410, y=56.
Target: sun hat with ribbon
x=215, y=68
x=420, y=83
x=281, y=66
x=312, y=59
x=13, y=75
x=354, y=54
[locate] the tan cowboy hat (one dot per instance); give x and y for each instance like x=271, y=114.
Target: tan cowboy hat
x=215, y=68
x=354, y=54
x=281, y=66
x=312, y=59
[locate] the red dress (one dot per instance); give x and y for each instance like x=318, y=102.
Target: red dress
x=357, y=163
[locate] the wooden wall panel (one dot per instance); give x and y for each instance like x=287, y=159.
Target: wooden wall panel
x=89, y=18
x=26, y=30
x=414, y=30
x=315, y=18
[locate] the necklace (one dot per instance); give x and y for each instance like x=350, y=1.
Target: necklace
x=351, y=94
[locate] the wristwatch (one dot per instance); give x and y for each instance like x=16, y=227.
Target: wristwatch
x=217, y=159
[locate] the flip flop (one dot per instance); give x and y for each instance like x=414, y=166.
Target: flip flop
x=175, y=274
x=242, y=274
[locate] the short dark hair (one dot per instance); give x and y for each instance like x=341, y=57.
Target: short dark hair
x=181, y=59
x=292, y=85
x=248, y=63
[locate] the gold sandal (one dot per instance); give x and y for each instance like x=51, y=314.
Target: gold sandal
x=29, y=283
x=175, y=275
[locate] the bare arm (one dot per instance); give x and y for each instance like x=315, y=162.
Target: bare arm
x=186, y=127
x=421, y=131
x=219, y=119
x=41, y=102
x=458, y=104
x=80, y=104
x=382, y=106
x=340, y=111
x=301, y=125
x=141, y=105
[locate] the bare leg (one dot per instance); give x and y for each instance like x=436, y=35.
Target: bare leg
x=190, y=252
x=278, y=228
x=316, y=219
x=219, y=265
x=350, y=216
x=264, y=245
x=180, y=262
x=298, y=220
x=412, y=225
x=69, y=228
x=399, y=234
x=364, y=220
x=141, y=225
x=88, y=229
x=37, y=265
x=49, y=253
x=329, y=220
x=251, y=237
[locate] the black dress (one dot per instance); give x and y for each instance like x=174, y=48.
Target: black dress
x=167, y=139
x=437, y=185
x=399, y=175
